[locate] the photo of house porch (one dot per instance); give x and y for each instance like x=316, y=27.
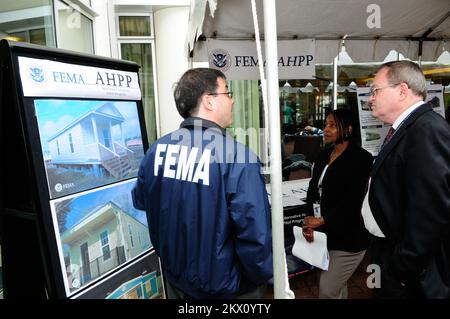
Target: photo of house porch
x=97, y=232
x=87, y=143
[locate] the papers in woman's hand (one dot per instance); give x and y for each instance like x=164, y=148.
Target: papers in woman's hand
x=315, y=253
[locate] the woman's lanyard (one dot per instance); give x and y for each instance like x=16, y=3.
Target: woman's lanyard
x=319, y=185
x=316, y=206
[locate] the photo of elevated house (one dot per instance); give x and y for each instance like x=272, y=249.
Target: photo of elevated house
x=87, y=144
x=99, y=230
x=141, y=279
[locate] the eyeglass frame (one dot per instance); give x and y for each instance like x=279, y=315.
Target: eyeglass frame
x=229, y=93
x=373, y=91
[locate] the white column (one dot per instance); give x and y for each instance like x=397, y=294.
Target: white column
x=94, y=127
x=171, y=61
x=101, y=27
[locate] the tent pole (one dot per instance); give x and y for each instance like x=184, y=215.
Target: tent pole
x=335, y=65
x=280, y=275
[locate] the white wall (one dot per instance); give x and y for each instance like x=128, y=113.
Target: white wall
x=171, y=61
x=101, y=25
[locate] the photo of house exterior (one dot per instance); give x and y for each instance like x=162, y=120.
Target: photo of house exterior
x=139, y=279
x=88, y=141
x=99, y=231
x=87, y=144
x=147, y=286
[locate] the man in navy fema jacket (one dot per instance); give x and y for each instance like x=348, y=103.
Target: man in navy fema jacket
x=205, y=199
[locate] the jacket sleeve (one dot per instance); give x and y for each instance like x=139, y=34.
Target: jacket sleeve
x=427, y=207
x=137, y=193
x=250, y=214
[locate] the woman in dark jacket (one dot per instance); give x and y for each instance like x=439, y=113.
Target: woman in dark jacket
x=335, y=196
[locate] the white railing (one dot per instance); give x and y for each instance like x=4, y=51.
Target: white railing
x=106, y=153
x=122, y=150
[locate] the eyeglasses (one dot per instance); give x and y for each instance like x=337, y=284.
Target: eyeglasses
x=229, y=93
x=374, y=91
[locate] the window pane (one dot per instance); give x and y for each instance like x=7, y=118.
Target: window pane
x=141, y=53
x=27, y=21
x=21, y=36
x=134, y=26
x=74, y=29
x=37, y=36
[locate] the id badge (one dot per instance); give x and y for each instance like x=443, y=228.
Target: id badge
x=316, y=209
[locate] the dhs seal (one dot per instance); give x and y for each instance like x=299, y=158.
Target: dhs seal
x=220, y=59
x=36, y=73
x=58, y=187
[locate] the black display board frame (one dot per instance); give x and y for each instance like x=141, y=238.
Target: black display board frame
x=31, y=259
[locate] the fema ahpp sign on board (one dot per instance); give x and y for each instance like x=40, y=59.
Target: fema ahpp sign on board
x=56, y=79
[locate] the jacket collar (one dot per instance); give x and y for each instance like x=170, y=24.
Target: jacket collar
x=198, y=122
x=399, y=135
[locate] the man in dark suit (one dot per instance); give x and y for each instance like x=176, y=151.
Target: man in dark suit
x=409, y=193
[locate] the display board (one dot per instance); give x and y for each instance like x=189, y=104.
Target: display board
x=75, y=128
x=294, y=211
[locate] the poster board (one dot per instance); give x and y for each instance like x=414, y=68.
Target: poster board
x=372, y=129
x=79, y=133
x=294, y=211
x=435, y=95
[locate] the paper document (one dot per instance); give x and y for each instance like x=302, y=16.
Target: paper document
x=315, y=253
x=294, y=192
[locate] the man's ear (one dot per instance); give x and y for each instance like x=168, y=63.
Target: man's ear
x=404, y=90
x=208, y=102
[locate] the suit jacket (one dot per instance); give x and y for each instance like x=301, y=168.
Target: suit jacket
x=410, y=200
x=343, y=189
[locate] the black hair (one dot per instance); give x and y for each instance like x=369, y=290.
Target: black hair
x=344, y=118
x=191, y=87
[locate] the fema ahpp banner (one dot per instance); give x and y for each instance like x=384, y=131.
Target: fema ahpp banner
x=42, y=78
x=238, y=60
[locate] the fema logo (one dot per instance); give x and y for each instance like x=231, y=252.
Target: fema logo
x=36, y=73
x=220, y=59
x=58, y=187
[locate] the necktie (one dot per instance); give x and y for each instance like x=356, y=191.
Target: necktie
x=388, y=136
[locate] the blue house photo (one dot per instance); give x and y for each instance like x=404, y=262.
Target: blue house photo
x=88, y=143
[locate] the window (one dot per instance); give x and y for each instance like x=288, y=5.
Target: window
x=57, y=147
x=130, y=233
x=27, y=21
x=107, y=137
x=136, y=43
x=134, y=26
x=71, y=143
x=104, y=241
x=73, y=28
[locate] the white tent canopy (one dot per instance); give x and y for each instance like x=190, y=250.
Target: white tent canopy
x=371, y=31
